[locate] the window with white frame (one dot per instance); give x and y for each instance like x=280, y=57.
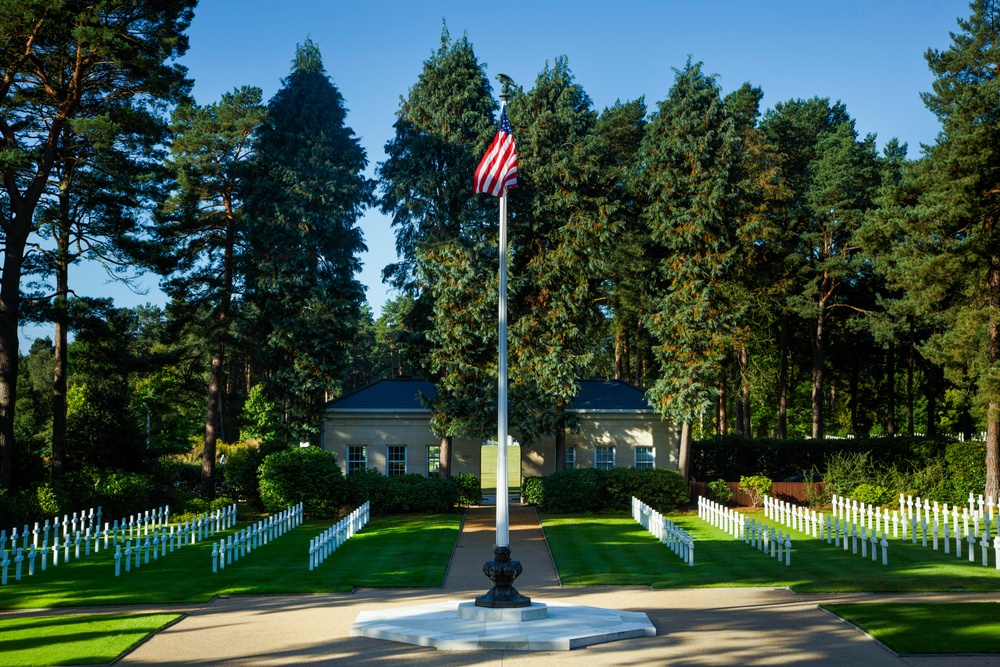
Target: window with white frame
x=357, y=458
x=645, y=457
x=570, y=457
x=395, y=460
x=604, y=457
x=433, y=460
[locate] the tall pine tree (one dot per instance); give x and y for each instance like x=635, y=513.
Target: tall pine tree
x=691, y=177
x=951, y=249
x=307, y=196
x=443, y=234
x=204, y=228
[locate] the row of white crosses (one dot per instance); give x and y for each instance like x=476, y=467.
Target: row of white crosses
x=229, y=550
x=794, y=516
x=942, y=523
x=762, y=537
x=868, y=516
x=774, y=543
x=166, y=539
x=666, y=531
x=68, y=536
x=836, y=530
x=331, y=539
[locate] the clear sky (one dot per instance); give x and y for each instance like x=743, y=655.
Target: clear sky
x=868, y=54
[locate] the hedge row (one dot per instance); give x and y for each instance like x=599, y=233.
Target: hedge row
x=592, y=490
x=313, y=477
x=730, y=457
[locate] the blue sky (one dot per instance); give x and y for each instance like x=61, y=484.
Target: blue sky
x=868, y=54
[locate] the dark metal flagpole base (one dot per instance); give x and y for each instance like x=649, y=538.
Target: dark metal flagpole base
x=502, y=571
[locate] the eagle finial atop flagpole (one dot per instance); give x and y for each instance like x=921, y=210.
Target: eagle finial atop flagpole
x=505, y=83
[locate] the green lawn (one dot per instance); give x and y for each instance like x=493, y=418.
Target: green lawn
x=615, y=550
x=972, y=627
x=74, y=640
x=395, y=552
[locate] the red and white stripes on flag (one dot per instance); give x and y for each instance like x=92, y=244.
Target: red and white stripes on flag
x=497, y=171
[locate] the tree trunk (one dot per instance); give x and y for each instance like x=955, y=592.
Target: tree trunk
x=855, y=423
x=721, y=415
x=10, y=304
x=215, y=379
x=618, y=355
x=783, y=379
x=745, y=386
x=738, y=392
x=890, y=389
x=909, y=386
x=211, y=422
x=684, y=452
x=561, y=441
x=61, y=317
x=993, y=413
x=444, y=464
x=817, y=376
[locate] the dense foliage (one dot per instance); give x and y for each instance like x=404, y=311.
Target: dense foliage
x=593, y=490
x=760, y=272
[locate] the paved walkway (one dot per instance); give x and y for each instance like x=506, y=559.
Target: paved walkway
x=694, y=627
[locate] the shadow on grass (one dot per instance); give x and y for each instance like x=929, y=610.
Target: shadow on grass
x=370, y=558
x=615, y=550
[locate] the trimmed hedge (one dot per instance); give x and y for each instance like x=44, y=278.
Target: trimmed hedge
x=592, y=490
x=402, y=494
x=307, y=475
x=731, y=457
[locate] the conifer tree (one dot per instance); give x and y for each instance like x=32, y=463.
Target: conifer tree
x=446, y=236
x=55, y=57
x=307, y=196
x=563, y=229
x=950, y=248
x=203, y=226
x=691, y=177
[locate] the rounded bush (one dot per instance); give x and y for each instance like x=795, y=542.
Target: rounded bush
x=470, y=489
x=873, y=494
x=532, y=491
x=241, y=474
x=577, y=490
x=310, y=476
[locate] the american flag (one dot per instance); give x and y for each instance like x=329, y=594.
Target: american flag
x=497, y=171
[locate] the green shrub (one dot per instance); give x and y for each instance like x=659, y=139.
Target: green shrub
x=401, y=494
x=242, y=476
x=731, y=457
x=123, y=493
x=194, y=507
x=719, y=491
x=307, y=475
x=872, y=494
x=470, y=489
x=577, y=490
x=663, y=490
x=591, y=490
x=756, y=486
x=966, y=463
x=532, y=491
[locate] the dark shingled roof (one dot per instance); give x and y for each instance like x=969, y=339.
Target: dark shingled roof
x=397, y=395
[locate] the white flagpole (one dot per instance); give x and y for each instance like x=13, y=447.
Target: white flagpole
x=503, y=537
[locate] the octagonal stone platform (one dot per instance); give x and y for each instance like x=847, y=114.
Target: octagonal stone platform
x=457, y=626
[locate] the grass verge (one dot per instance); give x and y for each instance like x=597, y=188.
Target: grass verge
x=933, y=627
x=74, y=640
x=393, y=552
x=615, y=550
